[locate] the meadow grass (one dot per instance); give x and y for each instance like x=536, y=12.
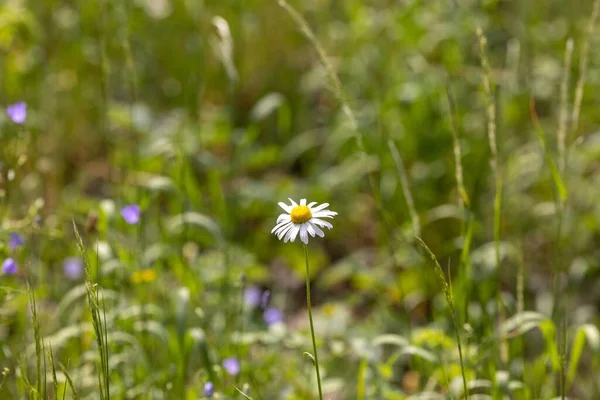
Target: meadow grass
x=144, y=147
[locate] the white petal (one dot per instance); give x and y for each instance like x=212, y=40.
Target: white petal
x=283, y=217
x=286, y=208
x=310, y=229
x=311, y=204
x=276, y=228
x=302, y=202
x=294, y=204
x=319, y=208
x=303, y=234
x=294, y=233
x=291, y=234
x=284, y=225
x=280, y=225
x=288, y=234
x=324, y=214
x=320, y=222
x=318, y=230
x=284, y=230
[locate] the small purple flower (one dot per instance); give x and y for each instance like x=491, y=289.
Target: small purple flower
x=15, y=241
x=9, y=266
x=252, y=296
x=73, y=268
x=17, y=112
x=232, y=366
x=209, y=389
x=272, y=316
x=264, y=300
x=131, y=214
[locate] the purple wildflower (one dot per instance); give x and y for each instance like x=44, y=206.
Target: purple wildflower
x=232, y=366
x=272, y=316
x=209, y=389
x=17, y=112
x=73, y=268
x=252, y=296
x=131, y=214
x=15, y=241
x=9, y=266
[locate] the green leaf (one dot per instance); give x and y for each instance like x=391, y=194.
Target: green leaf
x=556, y=178
x=175, y=224
x=522, y=323
x=312, y=358
x=391, y=339
x=243, y=394
x=586, y=332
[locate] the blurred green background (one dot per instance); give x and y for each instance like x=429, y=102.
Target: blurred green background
x=208, y=113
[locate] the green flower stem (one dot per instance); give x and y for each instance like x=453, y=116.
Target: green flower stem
x=312, y=327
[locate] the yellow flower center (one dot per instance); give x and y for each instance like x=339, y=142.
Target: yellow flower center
x=300, y=214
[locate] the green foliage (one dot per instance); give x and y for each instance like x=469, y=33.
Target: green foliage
x=467, y=125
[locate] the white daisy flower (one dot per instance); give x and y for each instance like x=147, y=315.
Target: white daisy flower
x=304, y=219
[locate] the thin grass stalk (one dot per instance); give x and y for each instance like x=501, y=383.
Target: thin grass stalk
x=563, y=269
x=462, y=199
x=561, y=204
x=561, y=300
x=106, y=365
x=98, y=321
x=104, y=72
x=450, y=300
x=410, y=203
x=23, y=384
x=513, y=53
x=521, y=285
x=583, y=64
x=331, y=74
x=560, y=269
x=39, y=346
x=70, y=384
x=563, y=114
x=312, y=327
x=339, y=92
x=491, y=129
x=50, y=356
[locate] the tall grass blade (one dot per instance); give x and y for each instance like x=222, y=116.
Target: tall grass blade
x=559, y=185
x=53, y=372
x=450, y=300
x=39, y=346
x=564, y=106
x=491, y=130
x=583, y=65
x=559, y=298
x=463, y=198
x=70, y=384
x=410, y=203
x=98, y=321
